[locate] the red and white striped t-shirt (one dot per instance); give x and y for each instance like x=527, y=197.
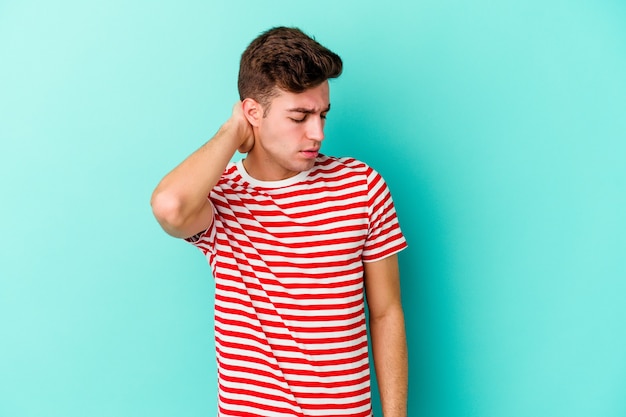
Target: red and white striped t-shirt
x=287, y=257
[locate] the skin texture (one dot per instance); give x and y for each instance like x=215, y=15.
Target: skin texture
x=281, y=141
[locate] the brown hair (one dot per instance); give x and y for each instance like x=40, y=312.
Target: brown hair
x=284, y=58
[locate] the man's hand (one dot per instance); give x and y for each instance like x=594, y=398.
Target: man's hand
x=244, y=129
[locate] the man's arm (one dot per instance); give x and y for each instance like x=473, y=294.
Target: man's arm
x=382, y=287
x=180, y=202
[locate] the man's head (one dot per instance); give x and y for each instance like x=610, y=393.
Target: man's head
x=285, y=59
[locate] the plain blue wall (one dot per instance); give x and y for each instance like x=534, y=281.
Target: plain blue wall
x=499, y=126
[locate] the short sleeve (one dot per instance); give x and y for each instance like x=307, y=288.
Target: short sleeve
x=205, y=240
x=384, y=235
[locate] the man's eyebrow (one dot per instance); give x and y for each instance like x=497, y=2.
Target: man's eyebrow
x=304, y=110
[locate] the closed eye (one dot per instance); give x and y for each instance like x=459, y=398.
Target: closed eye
x=322, y=116
x=305, y=112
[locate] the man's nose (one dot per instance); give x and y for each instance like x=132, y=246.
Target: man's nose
x=315, y=129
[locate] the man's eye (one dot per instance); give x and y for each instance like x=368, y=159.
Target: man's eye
x=298, y=120
x=323, y=116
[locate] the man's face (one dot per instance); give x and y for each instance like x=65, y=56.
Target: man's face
x=289, y=136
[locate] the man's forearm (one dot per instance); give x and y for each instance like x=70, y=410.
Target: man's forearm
x=391, y=361
x=182, y=194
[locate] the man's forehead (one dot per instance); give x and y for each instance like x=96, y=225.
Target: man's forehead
x=309, y=101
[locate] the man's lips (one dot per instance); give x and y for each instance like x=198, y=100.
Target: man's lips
x=312, y=153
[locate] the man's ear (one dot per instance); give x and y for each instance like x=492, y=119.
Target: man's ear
x=252, y=110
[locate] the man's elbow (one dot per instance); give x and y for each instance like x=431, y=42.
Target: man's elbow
x=167, y=210
x=392, y=313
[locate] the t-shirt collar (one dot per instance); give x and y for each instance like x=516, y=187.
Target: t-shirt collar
x=270, y=184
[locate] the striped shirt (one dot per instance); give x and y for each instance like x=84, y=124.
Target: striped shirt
x=287, y=258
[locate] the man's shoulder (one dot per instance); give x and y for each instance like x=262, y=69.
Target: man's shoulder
x=230, y=171
x=332, y=163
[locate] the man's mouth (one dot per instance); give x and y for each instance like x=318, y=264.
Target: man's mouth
x=310, y=153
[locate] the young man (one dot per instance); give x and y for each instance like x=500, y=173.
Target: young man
x=293, y=238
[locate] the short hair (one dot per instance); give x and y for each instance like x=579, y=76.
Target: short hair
x=284, y=58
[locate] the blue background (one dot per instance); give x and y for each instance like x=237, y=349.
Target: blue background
x=500, y=127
